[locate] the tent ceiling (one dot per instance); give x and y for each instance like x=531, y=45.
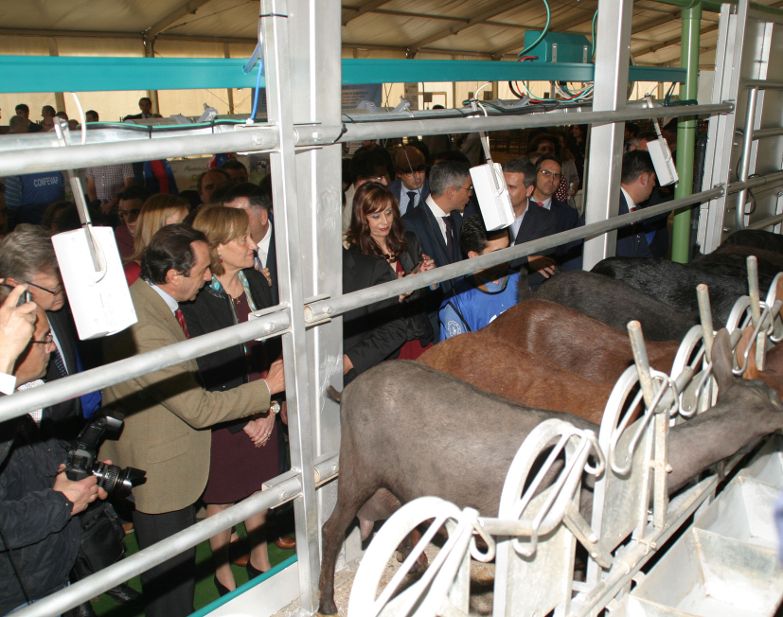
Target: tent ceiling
x=396, y=28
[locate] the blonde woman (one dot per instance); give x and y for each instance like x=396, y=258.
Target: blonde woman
x=158, y=211
x=244, y=453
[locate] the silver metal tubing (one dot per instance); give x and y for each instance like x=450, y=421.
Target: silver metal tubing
x=747, y=144
x=705, y=316
x=765, y=133
x=319, y=310
x=767, y=182
x=43, y=153
x=142, y=561
x=767, y=222
x=762, y=84
x=79, y=156
x=359, y=131
x=100, y=377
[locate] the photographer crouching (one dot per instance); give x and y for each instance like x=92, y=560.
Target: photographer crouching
x=39, y=531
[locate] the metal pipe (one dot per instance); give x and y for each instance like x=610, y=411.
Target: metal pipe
x=45, y=155
x=84, y=590
x=765, y=133
x=767, y=182
x=767, y=222
x=762, y=84
x=80, y=156
x=122, y=370
x=320, y=310
x=558, y=117
x=747, y=144
x=686, y=131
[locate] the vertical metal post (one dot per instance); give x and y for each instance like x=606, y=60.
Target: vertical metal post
x=316, y=79
x=606, y=141
x=686, y=131
x=747, y=144
x=291, y=255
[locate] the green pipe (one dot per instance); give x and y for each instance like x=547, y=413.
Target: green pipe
x=686, y=132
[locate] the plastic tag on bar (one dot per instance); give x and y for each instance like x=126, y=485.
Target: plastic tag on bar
x=100, y=300
x=661, y=156
x=491, y=191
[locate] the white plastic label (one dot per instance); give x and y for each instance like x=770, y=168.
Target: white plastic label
x=662, y=161
x=100, y=300
x=492, y=194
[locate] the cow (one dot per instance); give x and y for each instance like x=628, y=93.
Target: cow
x=615, y=303
x=408, y=431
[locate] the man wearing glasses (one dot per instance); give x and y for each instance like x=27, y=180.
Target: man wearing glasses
x=548, y=175
x=410, y=189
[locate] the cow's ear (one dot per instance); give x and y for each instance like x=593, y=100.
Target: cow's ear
x=721, y=359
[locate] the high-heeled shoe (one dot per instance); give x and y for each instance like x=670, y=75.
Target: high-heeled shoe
x=253, y=572
x=222, y=589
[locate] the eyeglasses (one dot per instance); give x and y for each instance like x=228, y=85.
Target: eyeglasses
x=415, y=170
x=48, y=339
x=129, y=215
x=469, y=189
x=547, y=174
x=54, y=291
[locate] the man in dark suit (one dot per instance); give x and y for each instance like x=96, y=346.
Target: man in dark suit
x=438, y=222
x=410, y=189
x=530, y=223
x=636, y=185
x=548, y=175
x=168, y=414
x=252, y=200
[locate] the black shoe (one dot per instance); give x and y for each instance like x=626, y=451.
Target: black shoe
x=252, y=572
x=83, y=610
x=222, y=589
x=123, y=593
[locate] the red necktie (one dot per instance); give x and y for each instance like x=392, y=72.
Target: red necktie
x=181, y=321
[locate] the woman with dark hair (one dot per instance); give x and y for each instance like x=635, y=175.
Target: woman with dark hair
x=378, y=249
x=244, y=453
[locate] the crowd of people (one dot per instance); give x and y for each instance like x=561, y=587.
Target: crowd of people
x=212, y=431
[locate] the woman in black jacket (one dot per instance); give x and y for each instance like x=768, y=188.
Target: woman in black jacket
x=379, y=250
x=244, y=453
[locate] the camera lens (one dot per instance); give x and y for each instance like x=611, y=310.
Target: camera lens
x=114, y=479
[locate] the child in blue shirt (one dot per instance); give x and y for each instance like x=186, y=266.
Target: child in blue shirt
x=478, y=299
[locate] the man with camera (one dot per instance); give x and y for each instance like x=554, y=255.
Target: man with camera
x=39, y=536
x=168, y=414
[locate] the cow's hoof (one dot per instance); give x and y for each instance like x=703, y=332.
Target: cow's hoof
x=327, y=608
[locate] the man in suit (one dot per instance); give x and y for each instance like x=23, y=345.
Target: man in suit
x=438, y=223
x=258, y=206
x=548, y=175
x=410, y=189
x=637, y=182
x=145, y=105
x=529, y=223
x=168, y=414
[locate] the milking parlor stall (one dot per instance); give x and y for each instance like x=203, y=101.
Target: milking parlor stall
x=609, y=445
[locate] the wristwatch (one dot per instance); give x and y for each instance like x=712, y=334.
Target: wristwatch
x=274, y=407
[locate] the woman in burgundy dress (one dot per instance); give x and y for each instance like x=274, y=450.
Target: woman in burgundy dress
x=244, y=453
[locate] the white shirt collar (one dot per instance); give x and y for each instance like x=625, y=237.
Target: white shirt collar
x=170, y=302
x=629, y=200
x=437, y=212
x=263, y=245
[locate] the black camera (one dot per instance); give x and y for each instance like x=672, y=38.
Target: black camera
x=81, y=461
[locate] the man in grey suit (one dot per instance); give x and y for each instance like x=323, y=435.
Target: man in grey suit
x=168, y=414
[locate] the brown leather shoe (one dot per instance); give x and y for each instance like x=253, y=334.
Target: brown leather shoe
x=286, y=543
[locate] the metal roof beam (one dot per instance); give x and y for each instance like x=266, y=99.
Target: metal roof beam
x=367, y=7
x=188, y=8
